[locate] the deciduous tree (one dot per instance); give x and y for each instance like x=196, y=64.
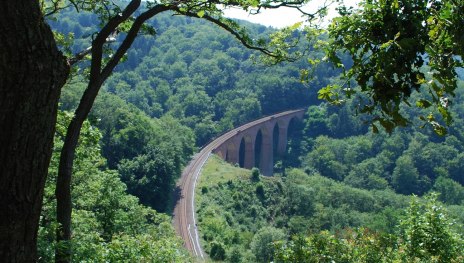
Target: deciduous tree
x=398, y=47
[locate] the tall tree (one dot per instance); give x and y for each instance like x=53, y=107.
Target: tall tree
x=32, y=73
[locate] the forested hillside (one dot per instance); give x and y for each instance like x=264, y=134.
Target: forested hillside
x=99, y=185
x=301, y=217
x=109, y=224
x=193, y=81
x=202, y=76
x=174, y=93
x=342, y=194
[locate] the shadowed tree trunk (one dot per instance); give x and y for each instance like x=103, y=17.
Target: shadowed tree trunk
x=32, y=73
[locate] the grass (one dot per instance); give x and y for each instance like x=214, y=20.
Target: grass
x=218, y=171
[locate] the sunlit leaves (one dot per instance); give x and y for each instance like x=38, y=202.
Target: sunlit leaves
x=422, y=103
x=201, y=13
x=109, y=224
x=390, y=43
x=426, y=237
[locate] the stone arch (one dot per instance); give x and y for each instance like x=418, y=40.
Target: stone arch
x=293, y=123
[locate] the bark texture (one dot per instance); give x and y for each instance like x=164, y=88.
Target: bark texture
x=32, y=73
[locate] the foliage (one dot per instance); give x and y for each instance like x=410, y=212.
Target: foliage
x=148, y=153
x=427, y=234
x=109, y=224
x=205, y=79
x=205, y=82
x=149, y=176
x=231, y=211
x=398, y=47
x=427, y=237
x=409, y=160
x=360, y=213
x=263, y=241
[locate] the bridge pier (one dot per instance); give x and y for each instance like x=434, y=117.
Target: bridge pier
x=232, y=153
x=266, y=162
x=249, y=158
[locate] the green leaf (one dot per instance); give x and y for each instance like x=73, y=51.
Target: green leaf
x=423, y=104
x=201, y=13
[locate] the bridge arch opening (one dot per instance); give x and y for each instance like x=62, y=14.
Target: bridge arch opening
x=295, y=135
x=247, y=152
x=295, y=126
x=264, y=151
x=276, y=137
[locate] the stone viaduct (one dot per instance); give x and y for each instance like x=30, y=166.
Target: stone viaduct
x=252, y=145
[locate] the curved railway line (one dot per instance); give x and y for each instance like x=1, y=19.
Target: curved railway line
x=184, y=211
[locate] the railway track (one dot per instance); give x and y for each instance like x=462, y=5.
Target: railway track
x=184, y=211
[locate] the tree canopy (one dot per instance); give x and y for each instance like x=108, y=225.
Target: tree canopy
x=396, y=48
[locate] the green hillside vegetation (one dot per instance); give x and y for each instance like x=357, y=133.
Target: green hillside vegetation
x=170, y=97
x=310, y=218
x=109, y=224
x=412, y=160
x=201, y=75
x=341, y=187
x=342, y=193
x=166, y=100
x=177, y=91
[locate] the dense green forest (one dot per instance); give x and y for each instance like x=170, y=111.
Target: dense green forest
x=193, y=81
x=109, y=224
x=340, y=187
x=173, y=94
x=170, y=97
x=201, y=75
x=300, y=217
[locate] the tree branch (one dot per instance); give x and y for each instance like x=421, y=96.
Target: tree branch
x=81, y=55
x=105, y=32
x=229, y=29
x=55, y=9
x=295, y=5
x=131, y=35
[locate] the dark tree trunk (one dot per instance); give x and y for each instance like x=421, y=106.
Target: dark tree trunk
x=32, y=73
x=63, y=252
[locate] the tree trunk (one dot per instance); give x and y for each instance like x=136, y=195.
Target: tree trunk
x=32, y=73
x=63, y=252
